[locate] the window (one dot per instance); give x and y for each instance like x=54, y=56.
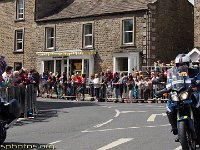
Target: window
x=50, y=36
x=122, y=64
x=17, y=66
x=87, y=35
x=128, y=31
x=20, y=9
x=19, y=34
x=49, y=65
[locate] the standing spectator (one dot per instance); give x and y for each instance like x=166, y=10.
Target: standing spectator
x=125, y=88
x=147, y=88
x=96, y=86
x=109, y=75
x=130, y=84
x=83, y=86
x=121, y=87
x=140, y=85
x=49, y=82
x=115, y=84
x=91, y=85
x=7, y=75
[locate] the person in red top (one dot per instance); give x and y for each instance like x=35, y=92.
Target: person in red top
x=77, y=80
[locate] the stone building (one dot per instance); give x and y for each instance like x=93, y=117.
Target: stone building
x=197, y=24
x=89, y=36
x=17, y=32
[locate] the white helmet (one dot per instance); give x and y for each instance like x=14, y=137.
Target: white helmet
x=182, y=58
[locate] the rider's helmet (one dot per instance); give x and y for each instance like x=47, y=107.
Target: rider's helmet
x=182, y=59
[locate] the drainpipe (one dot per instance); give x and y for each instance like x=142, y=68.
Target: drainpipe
x=148, y=37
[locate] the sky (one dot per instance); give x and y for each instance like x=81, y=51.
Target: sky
x=192, y=1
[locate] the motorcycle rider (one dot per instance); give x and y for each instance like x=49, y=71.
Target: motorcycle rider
x=182, y=61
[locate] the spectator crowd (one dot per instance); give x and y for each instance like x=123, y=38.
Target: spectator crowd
x=119, y=86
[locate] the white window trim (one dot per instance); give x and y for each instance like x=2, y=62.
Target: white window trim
x=19, y=41
x=124, y=32
x=47, y=38
x=87, y=35
x=17, y=10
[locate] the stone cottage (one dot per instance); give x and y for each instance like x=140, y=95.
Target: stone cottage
x=89, y=36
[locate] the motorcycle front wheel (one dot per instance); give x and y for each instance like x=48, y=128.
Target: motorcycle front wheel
x=185, y=137
x=2, y=133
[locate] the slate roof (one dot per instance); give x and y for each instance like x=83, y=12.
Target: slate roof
x=85, y=8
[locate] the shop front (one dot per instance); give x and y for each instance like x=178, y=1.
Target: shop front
x=71, y=62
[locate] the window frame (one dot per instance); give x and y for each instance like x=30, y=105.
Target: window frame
x=18, y=12
x=117, y=63
x=87, y=35
x=128, y=31
x=16, y=41
x=46, y=37
x=15, y=64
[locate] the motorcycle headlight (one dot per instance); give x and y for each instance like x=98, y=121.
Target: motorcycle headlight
x=184, y=95
x=174, y=97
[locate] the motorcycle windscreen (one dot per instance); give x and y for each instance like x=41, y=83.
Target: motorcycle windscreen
x=178, y=78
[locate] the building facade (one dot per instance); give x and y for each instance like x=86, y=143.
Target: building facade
x=197, y=24
x=91, y=36
x=17, y=32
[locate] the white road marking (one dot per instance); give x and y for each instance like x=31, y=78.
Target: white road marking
x=117, y=113
x=178, y=148
x=124, y=112
x=100, y=125
x=153, y=117
x=55, y=142
x=115, y=143
x=91, y=131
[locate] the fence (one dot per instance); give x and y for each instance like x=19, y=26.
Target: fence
x=106, y=93
x=25, y=95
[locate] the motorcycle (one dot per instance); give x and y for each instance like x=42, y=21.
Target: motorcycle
x=183, y=98
x=9, y=112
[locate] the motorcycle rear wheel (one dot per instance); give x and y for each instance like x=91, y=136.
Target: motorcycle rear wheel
x=185, y=137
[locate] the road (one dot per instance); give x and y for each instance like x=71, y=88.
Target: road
x=65, y=125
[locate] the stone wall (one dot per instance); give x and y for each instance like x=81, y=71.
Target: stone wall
x=173, y=29
x=197, y=23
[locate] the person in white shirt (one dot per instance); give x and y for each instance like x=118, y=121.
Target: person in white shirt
x=96, y=82
x=7, y=74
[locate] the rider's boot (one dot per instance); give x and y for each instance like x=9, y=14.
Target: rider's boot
x=172, y=120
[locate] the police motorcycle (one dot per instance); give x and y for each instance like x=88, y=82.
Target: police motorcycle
x=9, y=112
x=184, y=99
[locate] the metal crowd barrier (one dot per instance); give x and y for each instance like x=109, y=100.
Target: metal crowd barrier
x=25, y=95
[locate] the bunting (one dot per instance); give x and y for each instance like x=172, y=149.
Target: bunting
x=64, y=53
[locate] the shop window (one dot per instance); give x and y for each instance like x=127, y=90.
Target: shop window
x=122, y=64
x=49, y=65
x=17, y=66
x=19, y=9
x=58, y=66
x=87, y=36
x=128, y=27
x=19, y=35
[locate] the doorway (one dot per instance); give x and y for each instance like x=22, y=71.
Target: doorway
x=75, y=66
